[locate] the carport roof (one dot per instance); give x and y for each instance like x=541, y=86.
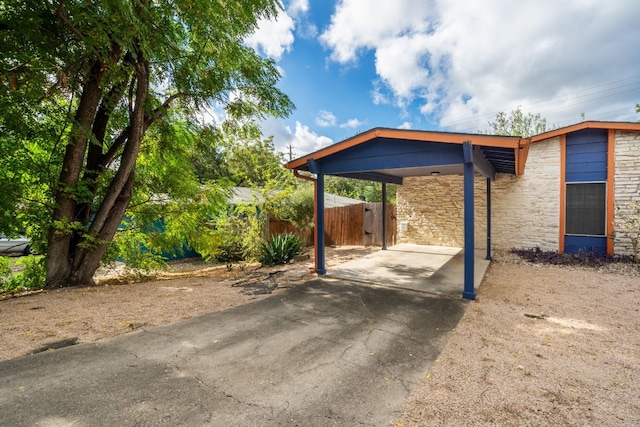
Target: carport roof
x=506, y=154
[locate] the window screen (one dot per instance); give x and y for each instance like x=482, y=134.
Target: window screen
x=586, y=209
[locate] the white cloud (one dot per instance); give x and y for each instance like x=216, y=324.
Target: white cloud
x=326, y=119
x=405, y=125
x=364, y=24
x=377, y=93
x=302, y=140
x=307, y=141
x=298, y=7
x=352, y=123
x=273, y=37
x=464, y=61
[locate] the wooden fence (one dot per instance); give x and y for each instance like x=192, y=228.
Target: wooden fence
x=359, y=225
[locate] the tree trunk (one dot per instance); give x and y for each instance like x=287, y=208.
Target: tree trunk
x=73, y=260
x=59, y=236
x=88, y=261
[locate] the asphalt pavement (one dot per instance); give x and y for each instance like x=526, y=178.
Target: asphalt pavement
x=323, y=353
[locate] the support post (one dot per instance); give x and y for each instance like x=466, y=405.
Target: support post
x=469, y=243
x=320, y=262
x=318, y=197
x=488, y=219
x=384, y=216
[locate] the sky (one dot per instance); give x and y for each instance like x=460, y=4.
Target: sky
x=448, y=65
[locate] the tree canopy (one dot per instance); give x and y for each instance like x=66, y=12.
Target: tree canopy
x=99, y=107
x=517, y=123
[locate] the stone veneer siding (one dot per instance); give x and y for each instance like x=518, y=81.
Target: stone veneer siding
x=626, y=182
x=525, y=209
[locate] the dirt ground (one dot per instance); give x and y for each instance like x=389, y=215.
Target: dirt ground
x=541, y=346
x=58, y=318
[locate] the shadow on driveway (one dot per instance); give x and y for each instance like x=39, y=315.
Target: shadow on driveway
x=322, y=353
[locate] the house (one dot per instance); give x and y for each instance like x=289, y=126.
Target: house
x=556, y=190
x=248, y=196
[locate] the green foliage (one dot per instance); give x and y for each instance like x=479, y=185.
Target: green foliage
x=358, y=189
x=280, y=249
x=518, y=124
x=298, y=208
x=131, y=245
x=82, y=83
x=5, y=270
x=252, y=160
x=238, y=234
x=629, y=224
x=32, y=276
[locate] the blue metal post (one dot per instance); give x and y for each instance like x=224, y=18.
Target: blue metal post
x=320, y=269
x=469, y=243
x=488, y=219
x=384, y=216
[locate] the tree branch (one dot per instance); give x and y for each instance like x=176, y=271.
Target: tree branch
x=62, y=14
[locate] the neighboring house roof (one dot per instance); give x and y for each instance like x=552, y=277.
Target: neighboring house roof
x=334, y=201
x=247, y=195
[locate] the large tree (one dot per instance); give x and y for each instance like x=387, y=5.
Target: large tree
x=85, y=80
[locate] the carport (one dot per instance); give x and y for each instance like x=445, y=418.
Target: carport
x=390, y=155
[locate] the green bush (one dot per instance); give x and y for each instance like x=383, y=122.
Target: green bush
x=5, y=270
x=32, y=277
x=280, y=249
x=237, y=235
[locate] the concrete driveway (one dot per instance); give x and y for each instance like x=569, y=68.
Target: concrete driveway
x=319, y=354
x=433, y=269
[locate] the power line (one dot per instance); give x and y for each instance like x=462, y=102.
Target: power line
x=564, y=101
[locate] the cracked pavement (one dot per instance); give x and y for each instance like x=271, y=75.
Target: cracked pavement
x=326, y=352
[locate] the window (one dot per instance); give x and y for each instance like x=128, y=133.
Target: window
x=586, y=208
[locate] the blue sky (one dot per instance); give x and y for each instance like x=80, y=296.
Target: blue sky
x=450, y=65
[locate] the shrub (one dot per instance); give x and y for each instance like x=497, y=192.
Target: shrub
x=280, y=249
x=593, y=259
x=32, y=277
x=237, y=235
x=5, y=270
x=629, y=225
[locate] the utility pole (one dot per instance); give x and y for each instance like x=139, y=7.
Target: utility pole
x=290, y=147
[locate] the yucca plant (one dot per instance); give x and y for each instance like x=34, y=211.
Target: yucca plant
x=280, y=249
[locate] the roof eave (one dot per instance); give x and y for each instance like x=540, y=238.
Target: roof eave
x=619, y=126
x=414, y=135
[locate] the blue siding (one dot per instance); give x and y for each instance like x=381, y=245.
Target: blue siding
x=586, y=156
x=585, y=244
x=586, y=160
x=382, y=154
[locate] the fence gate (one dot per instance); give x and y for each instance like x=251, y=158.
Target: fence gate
x=372, y=224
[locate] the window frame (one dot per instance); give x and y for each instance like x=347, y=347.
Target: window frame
x=566, y=207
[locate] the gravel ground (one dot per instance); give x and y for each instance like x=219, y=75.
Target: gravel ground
x=541, y=346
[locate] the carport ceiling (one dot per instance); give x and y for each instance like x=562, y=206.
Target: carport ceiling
x=388, y=155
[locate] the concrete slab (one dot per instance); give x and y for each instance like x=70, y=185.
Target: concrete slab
x=322, y=353
x=433, y=269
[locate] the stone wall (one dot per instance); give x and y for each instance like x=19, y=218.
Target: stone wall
x=626, y=182
x=525, y=209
